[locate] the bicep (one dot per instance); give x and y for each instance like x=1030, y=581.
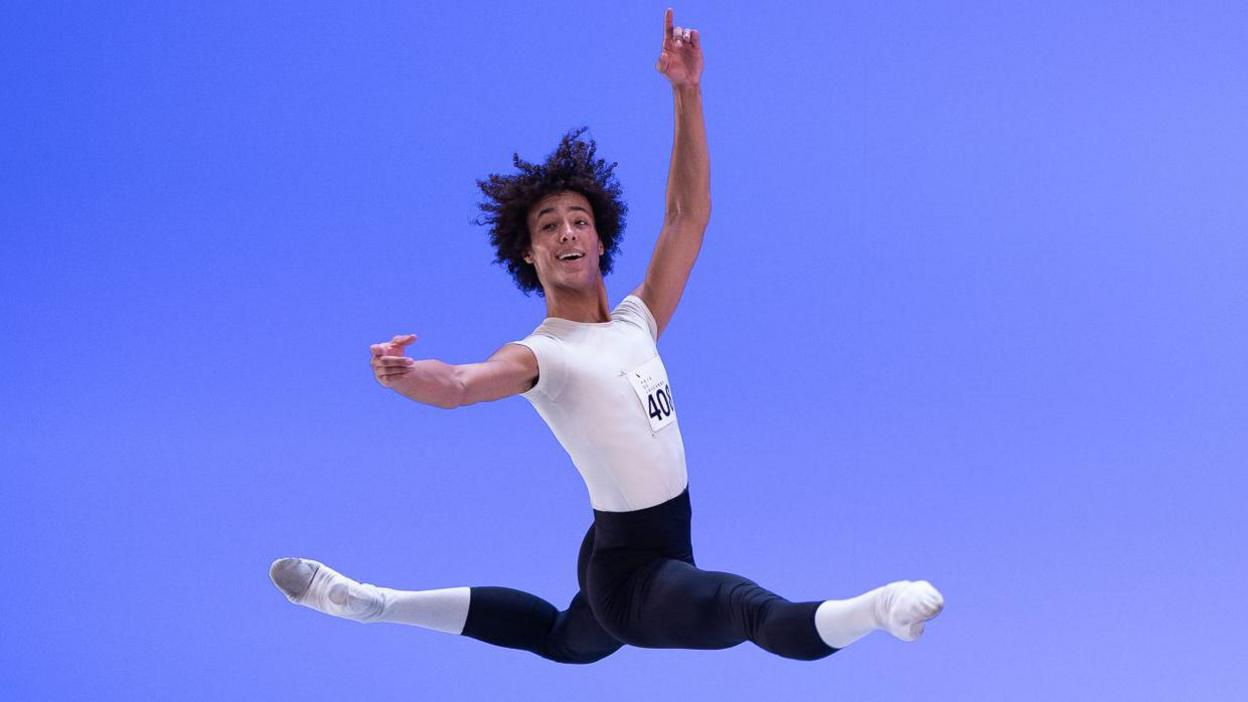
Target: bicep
x=669, y=269
x=510, y=371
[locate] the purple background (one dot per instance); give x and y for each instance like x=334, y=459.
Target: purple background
x=971, y=308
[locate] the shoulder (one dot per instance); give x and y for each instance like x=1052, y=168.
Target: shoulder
x=515, y=353
x=634, y=310
x=541, y=352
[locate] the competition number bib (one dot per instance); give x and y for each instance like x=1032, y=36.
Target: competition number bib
x=650, y=383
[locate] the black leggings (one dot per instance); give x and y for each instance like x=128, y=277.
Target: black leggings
x=639, y=586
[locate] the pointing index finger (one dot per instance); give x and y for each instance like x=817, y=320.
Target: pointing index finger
x=667, y=26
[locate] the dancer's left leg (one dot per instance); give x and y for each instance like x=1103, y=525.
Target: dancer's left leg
x=672, y=604
x=901, y=608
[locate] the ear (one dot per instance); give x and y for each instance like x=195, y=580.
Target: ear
x=528, y=256
x=602, y=249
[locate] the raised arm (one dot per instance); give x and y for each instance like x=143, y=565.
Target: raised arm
x=510, y=371
x=688, y=179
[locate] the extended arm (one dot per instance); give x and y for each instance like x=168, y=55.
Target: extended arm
x=688, y=207
x=510, y=371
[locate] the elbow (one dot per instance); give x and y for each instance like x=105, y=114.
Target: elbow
x=699, y=215
x=691, y=216
x=456, y=392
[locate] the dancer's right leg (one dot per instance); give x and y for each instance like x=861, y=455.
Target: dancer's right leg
x=316, y=585
x=514, y=619
x=496, y=615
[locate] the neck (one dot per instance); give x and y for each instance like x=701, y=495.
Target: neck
x=578, y=305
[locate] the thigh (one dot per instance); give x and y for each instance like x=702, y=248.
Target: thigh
x=515, y=619
x=687, y=607
x=670, y=603
x=583, y=558
x=577, y=624
x=680, y=606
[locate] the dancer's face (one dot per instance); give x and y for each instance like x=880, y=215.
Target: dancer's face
x=561, y=225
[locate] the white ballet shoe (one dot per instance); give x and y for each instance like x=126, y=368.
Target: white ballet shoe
x=313, y=584
x=906, y=607
x=292, y=576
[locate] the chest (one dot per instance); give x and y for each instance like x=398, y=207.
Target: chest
x=628, y=377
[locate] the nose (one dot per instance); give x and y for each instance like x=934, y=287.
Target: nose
x=567, y=232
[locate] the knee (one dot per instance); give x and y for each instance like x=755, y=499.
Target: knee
x=626, y=633
x=577, y=638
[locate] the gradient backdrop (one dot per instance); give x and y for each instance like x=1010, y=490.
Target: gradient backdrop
x=972, y=308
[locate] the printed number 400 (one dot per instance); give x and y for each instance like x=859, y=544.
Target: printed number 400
x=661, y=403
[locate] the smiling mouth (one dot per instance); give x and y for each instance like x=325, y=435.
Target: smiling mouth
x=571, y=256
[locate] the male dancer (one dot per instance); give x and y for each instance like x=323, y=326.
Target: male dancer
x=595, y=375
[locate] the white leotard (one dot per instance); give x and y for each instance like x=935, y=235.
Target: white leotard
x=604, y=392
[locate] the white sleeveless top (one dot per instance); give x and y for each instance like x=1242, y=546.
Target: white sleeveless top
x=604, y=392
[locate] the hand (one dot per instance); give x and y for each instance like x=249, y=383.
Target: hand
x=389, y=362
x=681, y=57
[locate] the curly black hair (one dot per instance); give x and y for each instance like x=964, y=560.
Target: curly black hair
x=572, y=167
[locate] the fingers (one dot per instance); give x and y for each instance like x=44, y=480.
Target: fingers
x=395, y=345
x=388, y=362
x=680, y=37
x=387, y=369
x=386, y=366
x=393, y=362
x=679, y=40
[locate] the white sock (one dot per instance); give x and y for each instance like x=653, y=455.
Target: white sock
x=316, y=585
x=900, y=608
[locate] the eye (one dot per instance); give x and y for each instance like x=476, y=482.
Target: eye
x=581, y=222
x=548, y=226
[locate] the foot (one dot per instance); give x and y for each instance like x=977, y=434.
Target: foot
x=293, y=576
x=316, y=585
x=904, y=607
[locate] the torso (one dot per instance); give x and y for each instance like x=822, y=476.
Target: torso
x=603, y=390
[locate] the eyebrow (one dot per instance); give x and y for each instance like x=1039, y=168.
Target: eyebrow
x=551, y=209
